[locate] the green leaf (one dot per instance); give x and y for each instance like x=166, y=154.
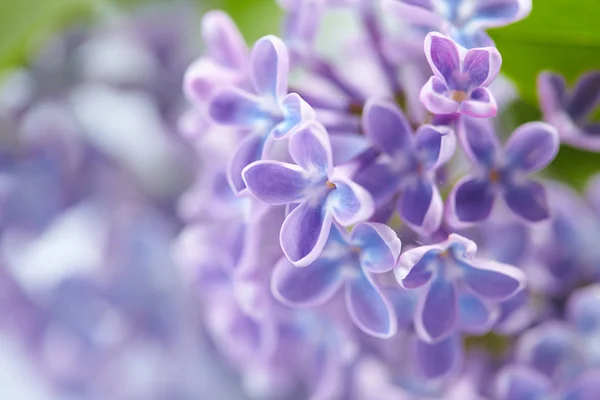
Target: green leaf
x=255, y=18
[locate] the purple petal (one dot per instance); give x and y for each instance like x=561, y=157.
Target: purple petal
x=302, y=24
x=223, y=40
x=532, y=146
x=304, y=232
x=369, y=310
x=435, y=145
x=310, y=148
x=522, y=383
x=439, y=359
x=479, y=140
x=527, y=200
x=248, y=151
x=436, y=315
x=270, y=65
x=552, y=93
x=419, y=273
x=584, y=387
x=481, y=104
x=475, y=316
x=482, y=66
x=434, y=97
x=386, y=126
x=443, y=56
x=417, y=12
x=421, y=206
x=471, y=200
x=586, y=96
x=583, y=309
x=499, y=13
x=233, y=106
x=349, y=203
x=276, y=182
x=295, y=112
x=492, y=280
x=308, y=286
x=204, y=77
x=379, y=244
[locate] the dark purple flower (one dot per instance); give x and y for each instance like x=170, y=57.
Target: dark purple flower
x=408, y=164
x=266, y=113
x=348, y=260
x=461, y=78
x=570, y=111
x=502, y=172
x=457, y=288
x=320, y=191
x=465, y=21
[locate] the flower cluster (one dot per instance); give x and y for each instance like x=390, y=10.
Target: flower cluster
x=362, y=228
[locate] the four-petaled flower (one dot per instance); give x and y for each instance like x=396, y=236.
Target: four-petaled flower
x=408, y=164
x=463, y=20
x=348, y=260
x=461, y=78
x=570, y=111
x=267, y=113
x=320, y=191
x=447, y=271
x=530, y=148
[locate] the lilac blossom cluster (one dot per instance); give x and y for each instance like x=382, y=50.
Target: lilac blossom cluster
x=363, y=228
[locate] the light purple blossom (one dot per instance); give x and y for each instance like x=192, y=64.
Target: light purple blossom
x=461, y=78
x=502, y=172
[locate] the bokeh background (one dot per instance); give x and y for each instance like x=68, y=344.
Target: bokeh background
x=122, y=179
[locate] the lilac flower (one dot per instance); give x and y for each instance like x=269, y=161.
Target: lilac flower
x=461, y=78
x=570, y=111
x=320, y=191
x=516, y=382
x=584, y=315
x=267, y=113
x=464, y=21
x=453, y=280
x=408, y=164
x=502, y=173
x=349, y=261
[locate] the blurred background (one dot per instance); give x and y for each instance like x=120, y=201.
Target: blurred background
x=92, y=167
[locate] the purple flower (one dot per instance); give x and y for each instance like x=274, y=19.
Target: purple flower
x=457, y=287
x=408, y=164
x=267, y=113
x=319, y=192
x=465, y=21
x=348, y=260
x=461, y=78
x=583, y=311
x=530, y=148
x=570, y=111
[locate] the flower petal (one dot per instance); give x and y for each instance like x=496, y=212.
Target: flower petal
x=438, y=359
x=225, y=44
x=492, y=280
x=482, y=65
x=489, y=14
x=476, y=317
x=310, y=148
x=309, y=286
x=270, y=66
x=481, y=104
x=276, y=182
x=532, y=146
x=583, y=309
x=479, y=140
x=295, y=111
x=436, y=315
x=369, y=309
x=349, y=203
x=552, y=93
x=415, y=12
x=443, y=56
x=420, y=205
x=419, y=274
x=471, y=200
x=234, y=106
x=584, y=387
x=248, y=151
x=304, y=232
x=379, y=244
x=585, y=97
x=435, y=145
x=527, y=200
x=386, y=126
x=522, y=383
x=434, y=97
